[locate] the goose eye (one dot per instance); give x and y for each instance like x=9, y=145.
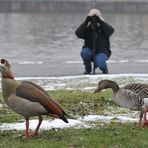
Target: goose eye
x=3, y=61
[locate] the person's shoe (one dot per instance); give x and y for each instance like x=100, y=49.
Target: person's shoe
x=105, y=71
x=86, y=72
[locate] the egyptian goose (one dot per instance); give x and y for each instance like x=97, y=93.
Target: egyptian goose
x=132, y=96
x=27, y=99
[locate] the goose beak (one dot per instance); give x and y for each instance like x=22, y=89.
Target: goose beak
x=96, y=90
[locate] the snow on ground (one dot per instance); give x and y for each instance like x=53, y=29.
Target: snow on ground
x=83, y=82
x=81, y=122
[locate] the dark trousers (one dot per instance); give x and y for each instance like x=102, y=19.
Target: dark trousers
x=100, y=60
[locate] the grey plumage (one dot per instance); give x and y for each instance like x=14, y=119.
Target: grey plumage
x=132, y=96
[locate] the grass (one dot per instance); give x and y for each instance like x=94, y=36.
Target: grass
x=112, y=136
x=77, y=103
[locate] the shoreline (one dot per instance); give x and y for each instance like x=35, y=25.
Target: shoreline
x=112, y=6
x=74, y=69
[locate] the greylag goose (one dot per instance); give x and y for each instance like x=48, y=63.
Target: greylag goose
x=132, y=96
x=27, y=99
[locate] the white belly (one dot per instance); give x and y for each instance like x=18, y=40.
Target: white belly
x=25, y=107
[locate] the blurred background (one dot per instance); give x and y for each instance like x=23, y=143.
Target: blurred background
x=43, y=32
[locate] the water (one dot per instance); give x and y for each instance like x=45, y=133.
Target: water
x=49, y=37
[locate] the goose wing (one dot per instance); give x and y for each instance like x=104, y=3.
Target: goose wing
x=140, y=89
x=34, y=93
x=129, y=99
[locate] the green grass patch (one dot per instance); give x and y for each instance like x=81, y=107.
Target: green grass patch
x=110, y=136
x=77, y=103
x=82, y=103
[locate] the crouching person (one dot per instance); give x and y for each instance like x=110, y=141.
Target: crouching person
x=103, y=31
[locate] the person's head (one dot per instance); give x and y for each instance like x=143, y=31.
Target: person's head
x=95, y=12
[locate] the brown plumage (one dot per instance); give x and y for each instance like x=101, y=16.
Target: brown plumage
x=27, y=98
x=133, y=96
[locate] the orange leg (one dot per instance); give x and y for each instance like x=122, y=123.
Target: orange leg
x=141, y=116
x=36, y=132
x=27, y=128
x=145, y=121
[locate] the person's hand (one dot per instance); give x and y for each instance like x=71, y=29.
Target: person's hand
x=99, y=20
x=96, y=20
x=88, y=19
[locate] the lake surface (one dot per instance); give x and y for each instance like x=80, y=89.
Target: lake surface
x=50, y=37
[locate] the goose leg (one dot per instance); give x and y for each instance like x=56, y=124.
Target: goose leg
x=141, y=116
x=36, y=132
x=145, y=121
x=27, y=128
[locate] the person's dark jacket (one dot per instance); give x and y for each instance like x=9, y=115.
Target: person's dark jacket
x=103, y=32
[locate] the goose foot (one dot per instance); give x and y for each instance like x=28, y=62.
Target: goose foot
x=35, y=133
x=145, y=123
x=29, y=135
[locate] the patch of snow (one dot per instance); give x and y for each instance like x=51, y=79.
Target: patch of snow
x=82, y=122
x=31, y=62
x=104, y=118
x=83, y=82
x=1, y=105
x=97, y=117
x=46, y=124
